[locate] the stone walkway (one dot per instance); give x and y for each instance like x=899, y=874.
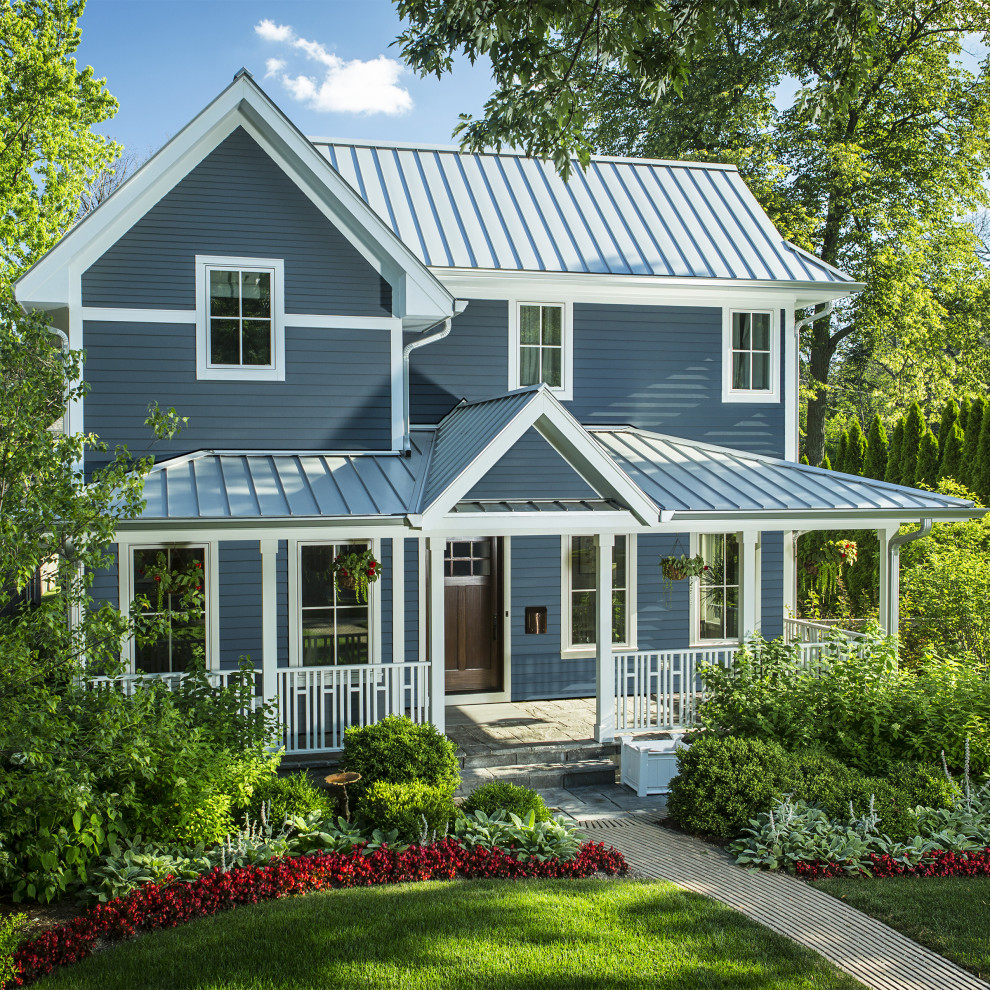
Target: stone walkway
x=875, y=954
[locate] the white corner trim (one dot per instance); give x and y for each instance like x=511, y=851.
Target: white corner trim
x=275, y=372
x=565, y=392
x=764, y=396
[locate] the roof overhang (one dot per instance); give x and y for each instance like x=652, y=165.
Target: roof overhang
x=418, y=296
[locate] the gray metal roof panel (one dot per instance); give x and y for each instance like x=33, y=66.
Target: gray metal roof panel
x=620, y=216
x=689, y=477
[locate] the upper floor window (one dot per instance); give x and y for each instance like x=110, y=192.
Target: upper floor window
x=580, y=596
x=541, y=347
x=750, y=345
x=239, y=319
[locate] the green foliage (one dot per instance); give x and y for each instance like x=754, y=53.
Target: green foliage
x=292, y=796
x=723, y=782
x=970, y=459
x=11, y=934
x=965, y=408
x=950, y=416
x=855, y=705
x=981, y=470
x=47, y=107
x=841, y=452
x=826, y=463
x=927, y=473
x=914, y=430
x=416, y=810
x=952, y=455
x=876, y=452
x=857, y=450
x=893, y=470
x=528, y=836
x=503, y=796
x=396, y=750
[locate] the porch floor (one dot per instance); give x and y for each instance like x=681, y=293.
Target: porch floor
x=487, y=729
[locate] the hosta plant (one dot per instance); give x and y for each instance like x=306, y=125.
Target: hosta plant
x=526, y=838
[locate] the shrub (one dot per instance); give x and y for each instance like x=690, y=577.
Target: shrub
x=10, y=937
x=723, y=782
x=397, y=750
x=417, y=811
x=503, y=796
x=292, y=796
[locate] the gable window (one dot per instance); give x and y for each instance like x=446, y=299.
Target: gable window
x=716, y=591
x=333, y=625
x=750, y=344
x=580, y=596
x=184, y=638
x=240, y=319
x=541, y=347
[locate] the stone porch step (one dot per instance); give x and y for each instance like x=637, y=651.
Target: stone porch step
x=560, y=752
x=542, y=776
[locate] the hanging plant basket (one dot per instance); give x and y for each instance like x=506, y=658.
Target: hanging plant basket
x=825, y=566
x=680, y=568
x=355, y=572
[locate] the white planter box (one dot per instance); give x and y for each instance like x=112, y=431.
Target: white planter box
x=649, y=765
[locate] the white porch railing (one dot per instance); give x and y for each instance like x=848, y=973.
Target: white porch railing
x=816, y=640
x=127, y=682
x=316, y=704
x=661, y=691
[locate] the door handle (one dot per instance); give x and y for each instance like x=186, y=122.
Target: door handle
x=494, y=626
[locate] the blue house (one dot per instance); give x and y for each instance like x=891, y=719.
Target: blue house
x=520, y=394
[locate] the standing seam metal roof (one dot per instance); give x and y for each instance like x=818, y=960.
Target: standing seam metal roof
x=620, y=216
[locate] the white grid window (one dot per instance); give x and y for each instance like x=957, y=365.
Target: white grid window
x=718, y=587
x=335, y=626
x=240, y=321
x=582, y=562
x=541, y=345
x=751, y=354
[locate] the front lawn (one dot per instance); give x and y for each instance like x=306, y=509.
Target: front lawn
x=524, y=935
x=948, y=914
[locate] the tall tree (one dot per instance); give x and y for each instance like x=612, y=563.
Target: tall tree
x=981, y=469
x=826, y=463
x=927, y=472
x=841, y=451
x=914, y=430
x=857, y=449
x=893, y=472
x=965, y=407
x=876, y=459
x=47, y=106
x=952, y=461
x=974, y=425
x=950, y=416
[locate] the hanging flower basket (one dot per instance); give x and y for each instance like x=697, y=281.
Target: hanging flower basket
x=355, y=571
x=679, y=568
x=824, y=566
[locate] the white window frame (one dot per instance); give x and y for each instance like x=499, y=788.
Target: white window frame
x=211, y=605
x=569, y=649
x=730, y=394
x=295, y=597
x=694, y=609
x=275, y=372
x=566, y=389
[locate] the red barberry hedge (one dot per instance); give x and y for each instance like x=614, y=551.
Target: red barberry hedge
x=936, y=864
x=167, y=905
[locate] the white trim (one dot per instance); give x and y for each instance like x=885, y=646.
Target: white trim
x=435, y=549
x=205, y=371
x=568, y=650
x=269, y=618
x=211, y=606
x=565, y=391
x=604, y=666
x=397, y=391
x=104, y=314
x=398, y=599
x=421, y=588
x=732, y=395
x=791, y=385
x=317, y=321
x=294, y=546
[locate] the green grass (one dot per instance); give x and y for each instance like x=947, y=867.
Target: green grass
x=948, y=914
x=535, y=935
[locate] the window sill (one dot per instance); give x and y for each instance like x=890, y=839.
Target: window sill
x=715, y=644
x=240, y=375
x=763, y=398
x=586, y=652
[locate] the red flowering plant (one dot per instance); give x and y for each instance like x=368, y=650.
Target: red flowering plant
x=185, y=582
x=355, y=572
x=825, y=564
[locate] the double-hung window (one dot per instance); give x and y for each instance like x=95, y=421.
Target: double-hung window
x=541, y=347
x=750, y=342
x=240, y=319
x=580, y=596
x=716, y=612
x=161, y=575
x=333, y=624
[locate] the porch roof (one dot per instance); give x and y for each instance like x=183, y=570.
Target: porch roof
x=696, y=480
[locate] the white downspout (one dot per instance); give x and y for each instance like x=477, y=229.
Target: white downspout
x=893, y=549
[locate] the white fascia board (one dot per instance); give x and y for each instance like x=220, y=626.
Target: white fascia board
x=566, y=435
x=469, y=283
x=810, y=519
x=534, y=524
x=226, y=528
x=48, y=282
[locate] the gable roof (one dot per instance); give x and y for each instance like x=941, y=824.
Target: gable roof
x=694, y=480
x=417, y=294
x=621, y=216
x=475, y=435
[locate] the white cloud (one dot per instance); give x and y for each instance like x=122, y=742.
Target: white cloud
x=355, y=86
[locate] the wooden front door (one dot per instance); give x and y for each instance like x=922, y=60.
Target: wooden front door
x=473, y=615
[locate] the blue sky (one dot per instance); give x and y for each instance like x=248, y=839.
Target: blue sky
x=165, y=60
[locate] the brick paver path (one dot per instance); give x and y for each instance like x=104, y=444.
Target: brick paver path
x=873, y=953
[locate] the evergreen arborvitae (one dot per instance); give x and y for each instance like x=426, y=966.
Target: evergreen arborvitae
x=970, y=469
x=893, y=471
x=914, y=430
x=952, y=461
x=928, y=460
x=826, y=463
x=856, y=449
x=876, y=454
x=965, y=406
x=981, y=470
x=841, y=450
x=950, y=416
x=804, y=459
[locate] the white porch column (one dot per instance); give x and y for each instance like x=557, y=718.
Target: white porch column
x=269, y=619
x=398, y=599
x=604, y=664
x=889, y=580
x=790, y=574
x=435, y=547
x=749, y=587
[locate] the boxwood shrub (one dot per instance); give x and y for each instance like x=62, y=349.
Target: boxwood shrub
x=410, y=807
x=513, y=798
x=292, y=796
